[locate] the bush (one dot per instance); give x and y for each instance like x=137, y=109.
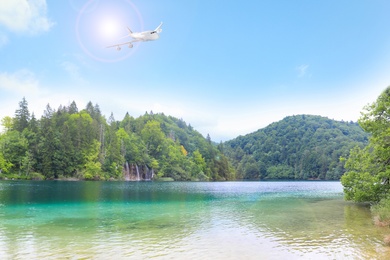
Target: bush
x=36, y=176
x=381, y=212
x=88, y=176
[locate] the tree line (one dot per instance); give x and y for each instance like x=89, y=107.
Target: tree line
x=68, y=143
x=298, y=147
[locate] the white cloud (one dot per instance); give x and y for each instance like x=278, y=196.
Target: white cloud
x=20, y=82
x=23, y=83
x=13, y=87
x=25, y=16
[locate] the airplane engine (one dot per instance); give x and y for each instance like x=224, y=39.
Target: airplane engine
x=118, y=48
x=130, y=45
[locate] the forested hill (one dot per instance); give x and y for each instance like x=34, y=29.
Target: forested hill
x=83, y=144
x=297, y=147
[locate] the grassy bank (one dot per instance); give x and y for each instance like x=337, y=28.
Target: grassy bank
x=381, y=214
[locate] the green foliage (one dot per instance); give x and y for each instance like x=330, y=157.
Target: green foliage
x=4, y=165
x=68, y=143
x=382, y=212
x=13, y=150
x=280, y=172
x=7, y=123
x=154, y=138
x=297, y=147
x=368, y=170
x=36, y=176
x=92, y=167
x=360, y=184
x=22, y=116
x=199, y=167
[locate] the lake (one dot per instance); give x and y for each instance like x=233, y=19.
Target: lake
x=184, y=220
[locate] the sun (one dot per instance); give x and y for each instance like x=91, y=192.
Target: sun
x=103, y=23
x=109, y=28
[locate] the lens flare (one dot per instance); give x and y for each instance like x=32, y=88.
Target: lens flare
x=104, y=25
x=109, y=28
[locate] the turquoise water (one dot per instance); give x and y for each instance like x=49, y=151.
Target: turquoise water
x=191, y=220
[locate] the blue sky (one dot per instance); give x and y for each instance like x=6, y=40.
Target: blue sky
x=226, y=67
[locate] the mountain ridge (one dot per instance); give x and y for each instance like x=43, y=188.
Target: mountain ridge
x=297, y=147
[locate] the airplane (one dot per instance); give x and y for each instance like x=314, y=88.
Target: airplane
x=139, y=37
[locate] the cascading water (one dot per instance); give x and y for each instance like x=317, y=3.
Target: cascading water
x=147, y=173
x=138, y=178
x=127, y=172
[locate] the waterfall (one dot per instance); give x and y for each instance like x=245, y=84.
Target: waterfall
x=146, y=173
x=127, y=171
x=136, y=167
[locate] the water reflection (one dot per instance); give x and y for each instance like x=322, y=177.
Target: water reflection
x=319, y=228
x=94, y=219
x=184, y=220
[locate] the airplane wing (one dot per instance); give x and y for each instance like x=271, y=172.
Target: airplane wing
x=118, y=46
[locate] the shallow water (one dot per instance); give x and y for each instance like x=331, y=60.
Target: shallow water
x=177, y=220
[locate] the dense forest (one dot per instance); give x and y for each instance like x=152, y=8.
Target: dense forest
x=68, y=143
x=297, y=147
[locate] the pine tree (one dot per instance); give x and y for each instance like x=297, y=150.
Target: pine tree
x=22, y=116
x=73, y=108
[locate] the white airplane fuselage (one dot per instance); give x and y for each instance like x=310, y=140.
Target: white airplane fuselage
x=145, y=36
x=139, y=37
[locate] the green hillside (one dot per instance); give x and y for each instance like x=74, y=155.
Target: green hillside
x=298, y=147
x=68, y=143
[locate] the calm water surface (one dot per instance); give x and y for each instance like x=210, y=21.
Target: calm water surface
x=177, y=220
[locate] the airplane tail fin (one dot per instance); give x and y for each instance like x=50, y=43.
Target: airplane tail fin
x=158, y=29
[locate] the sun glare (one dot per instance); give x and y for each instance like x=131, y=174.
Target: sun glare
x=109, y=28
x=103, y=23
